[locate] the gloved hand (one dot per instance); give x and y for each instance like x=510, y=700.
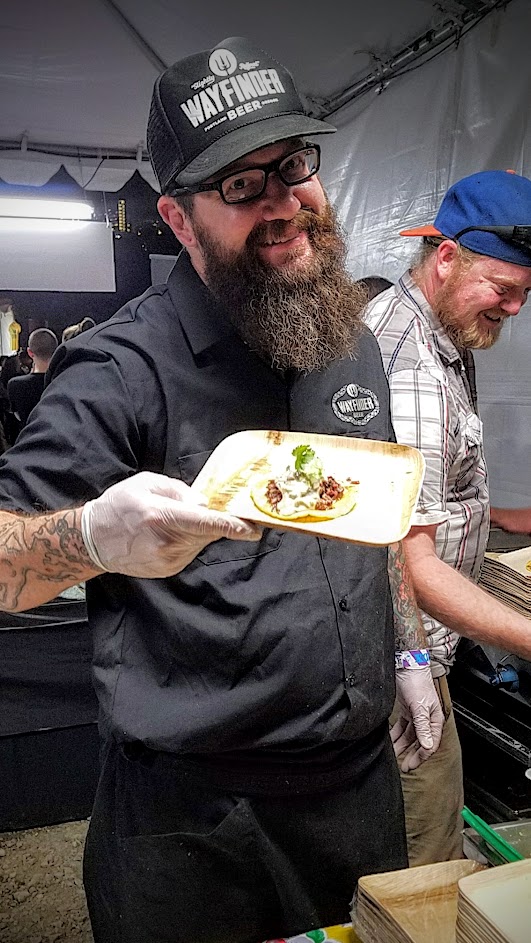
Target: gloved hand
x=418, y=730
x=153, y=526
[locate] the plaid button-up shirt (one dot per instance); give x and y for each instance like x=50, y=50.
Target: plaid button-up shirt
x=432, y=406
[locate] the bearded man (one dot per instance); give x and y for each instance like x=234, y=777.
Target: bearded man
x=245, y=679
x=472, y=274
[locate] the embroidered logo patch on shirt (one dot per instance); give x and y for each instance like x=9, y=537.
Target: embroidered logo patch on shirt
x=353, y=403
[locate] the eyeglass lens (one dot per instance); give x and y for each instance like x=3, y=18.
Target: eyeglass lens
x=522, y=236
x=250, y=183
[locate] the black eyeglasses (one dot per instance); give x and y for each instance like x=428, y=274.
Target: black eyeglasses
x=520, y=235
x=250, y=182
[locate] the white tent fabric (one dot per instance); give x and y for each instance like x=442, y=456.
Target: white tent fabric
x=74, y=75
x=80, y=72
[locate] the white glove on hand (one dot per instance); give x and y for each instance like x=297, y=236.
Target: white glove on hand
x=153, y=526
x=417, y=732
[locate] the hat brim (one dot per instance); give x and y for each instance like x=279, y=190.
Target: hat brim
x=240, y=141
x=421, y=231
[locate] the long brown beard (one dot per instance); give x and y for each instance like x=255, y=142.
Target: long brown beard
x=299, y=317
x=471, y=336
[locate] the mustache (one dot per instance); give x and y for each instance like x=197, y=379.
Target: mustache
x=277, y=229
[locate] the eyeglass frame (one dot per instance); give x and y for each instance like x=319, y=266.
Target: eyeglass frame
x=518, y=235
x=268, y=169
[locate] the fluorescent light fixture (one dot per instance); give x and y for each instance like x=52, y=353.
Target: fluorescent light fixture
x=31, y=224
x=19, y=207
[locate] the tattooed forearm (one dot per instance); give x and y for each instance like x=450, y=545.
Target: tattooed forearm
x=409, y=631
x=40, y=556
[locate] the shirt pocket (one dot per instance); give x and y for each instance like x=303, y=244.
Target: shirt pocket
x=227, y=551
x=469, y=461
x=473, y=430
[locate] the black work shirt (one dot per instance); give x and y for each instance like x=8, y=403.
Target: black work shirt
x=286, y=643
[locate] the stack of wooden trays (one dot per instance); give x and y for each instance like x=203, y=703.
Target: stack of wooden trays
x=415, y=905
x=508, y=576
x=495, y=906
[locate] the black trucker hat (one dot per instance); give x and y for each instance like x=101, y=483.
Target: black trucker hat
x=213, y=107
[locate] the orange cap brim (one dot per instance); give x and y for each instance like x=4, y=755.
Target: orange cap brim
x=421, y=231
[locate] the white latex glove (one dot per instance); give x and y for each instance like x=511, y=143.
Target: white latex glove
x=418, y=730
x=153, y=526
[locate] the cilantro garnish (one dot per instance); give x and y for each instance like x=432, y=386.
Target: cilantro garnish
x=307, y=464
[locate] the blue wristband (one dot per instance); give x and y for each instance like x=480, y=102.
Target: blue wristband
x=416, y=658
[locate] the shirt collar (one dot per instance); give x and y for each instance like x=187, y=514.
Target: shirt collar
x=203, y=320
x=409, y=291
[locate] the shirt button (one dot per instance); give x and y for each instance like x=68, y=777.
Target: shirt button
x=343, y=603
x=351, y=680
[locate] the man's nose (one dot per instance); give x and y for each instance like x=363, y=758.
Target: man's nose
x=279, y=201
x=511, y=306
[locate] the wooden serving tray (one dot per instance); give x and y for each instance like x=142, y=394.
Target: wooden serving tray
x=414, y=905
x=390, y=477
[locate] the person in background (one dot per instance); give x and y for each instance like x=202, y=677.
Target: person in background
x=10, y=368
x=514, y=520
x=24, y=392
x=26, y=363
x=74, y=329
x=463, y=286
x=245, y=678
x=374, y=284
x=10, y=424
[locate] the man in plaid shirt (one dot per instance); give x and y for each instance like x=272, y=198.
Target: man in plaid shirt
x=472, y=273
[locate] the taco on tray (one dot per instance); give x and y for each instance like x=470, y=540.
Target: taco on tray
x=304, y=491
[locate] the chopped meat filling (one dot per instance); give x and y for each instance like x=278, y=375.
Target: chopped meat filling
x=273, y=493
x=329, y=492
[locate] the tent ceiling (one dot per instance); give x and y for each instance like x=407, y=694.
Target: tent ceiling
x=79, y=73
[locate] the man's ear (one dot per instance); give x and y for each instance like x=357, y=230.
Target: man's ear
x=447, y=253
x=179, y=223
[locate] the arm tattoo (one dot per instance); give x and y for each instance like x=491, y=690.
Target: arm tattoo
x=409, y=630
x=34, y=550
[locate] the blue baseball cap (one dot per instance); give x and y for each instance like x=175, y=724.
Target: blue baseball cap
x=490, y=198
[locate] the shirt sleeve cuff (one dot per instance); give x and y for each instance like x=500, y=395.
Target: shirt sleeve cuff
x=421, y=518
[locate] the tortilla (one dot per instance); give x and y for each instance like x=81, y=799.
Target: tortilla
x=343, y=505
